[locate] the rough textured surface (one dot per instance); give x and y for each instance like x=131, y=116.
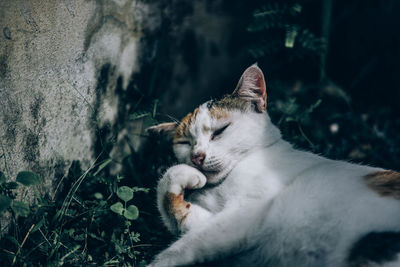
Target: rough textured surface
x=71, y=73
x=60, y=65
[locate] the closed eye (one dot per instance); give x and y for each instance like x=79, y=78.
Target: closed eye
x=182, y=142
x=219, y=131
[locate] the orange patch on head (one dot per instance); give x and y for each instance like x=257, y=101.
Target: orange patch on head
x=218, y=113
x=385, y=183
x=183, y=127
x=177, y=206
x=228, y=103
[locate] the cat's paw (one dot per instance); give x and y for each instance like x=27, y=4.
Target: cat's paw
x=170, y=195
x=180, y=177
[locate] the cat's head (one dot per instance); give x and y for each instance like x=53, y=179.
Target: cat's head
x=219, y=133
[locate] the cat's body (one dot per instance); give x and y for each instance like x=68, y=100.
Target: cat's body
x=266, y=203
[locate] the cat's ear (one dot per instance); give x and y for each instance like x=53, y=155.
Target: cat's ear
x=251, y=87
x=166, y=129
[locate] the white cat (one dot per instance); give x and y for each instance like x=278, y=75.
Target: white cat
x=260, y=202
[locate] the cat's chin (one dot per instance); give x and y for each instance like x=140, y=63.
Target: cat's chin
x=214, y=177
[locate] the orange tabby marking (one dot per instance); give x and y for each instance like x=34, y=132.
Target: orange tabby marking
x=177, y=206
x=183, y=127
x=218, y=113
x=385, y=183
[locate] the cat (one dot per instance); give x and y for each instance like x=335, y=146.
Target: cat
x=257, y=201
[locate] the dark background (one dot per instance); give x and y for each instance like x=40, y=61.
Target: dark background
x=345, y=54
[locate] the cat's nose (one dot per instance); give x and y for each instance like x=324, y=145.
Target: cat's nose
x=198, y=158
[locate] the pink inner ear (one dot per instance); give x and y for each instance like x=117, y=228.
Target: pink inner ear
x=252, y=86
x=261, y=87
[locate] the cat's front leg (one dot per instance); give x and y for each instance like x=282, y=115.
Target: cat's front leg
x=227, y=232
x=177, y=214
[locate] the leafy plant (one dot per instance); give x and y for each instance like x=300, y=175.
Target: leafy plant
x=291, y=111
x=131, y=212
x=283, y=24
x=84, y=223
x=8, y=196
x=28, y=178
x=283, y=38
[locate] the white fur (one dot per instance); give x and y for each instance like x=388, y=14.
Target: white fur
x=175, y=180
x=271, y=204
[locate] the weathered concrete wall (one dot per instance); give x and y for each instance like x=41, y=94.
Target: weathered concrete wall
x=61, y=63
x=72, y=71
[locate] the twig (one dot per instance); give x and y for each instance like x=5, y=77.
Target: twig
x=142, y=245
x=74, y=188
x=7, y=251
x=305, y=136
x=44, y=236
x=22, y=244
x=38, y=245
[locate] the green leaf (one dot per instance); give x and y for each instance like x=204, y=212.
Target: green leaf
x=11, y=185
x=314, y=106
x=38, y=225
x=2, y=177
x=98, y=195
x=111, y=262
x=70, y=232
x=289, y=119
x=79, y=237
x=138, y=115
x=102, y=166
x=125, y=193
x=28, y=178
x=13, y=240
x=117, y=208
x=5, y=202
x=140, y=189
x=94, y=236
x=131, y=213
x=20, y=208
x=291, y=34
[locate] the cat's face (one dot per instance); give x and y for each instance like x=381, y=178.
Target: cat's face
x=217, y=134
